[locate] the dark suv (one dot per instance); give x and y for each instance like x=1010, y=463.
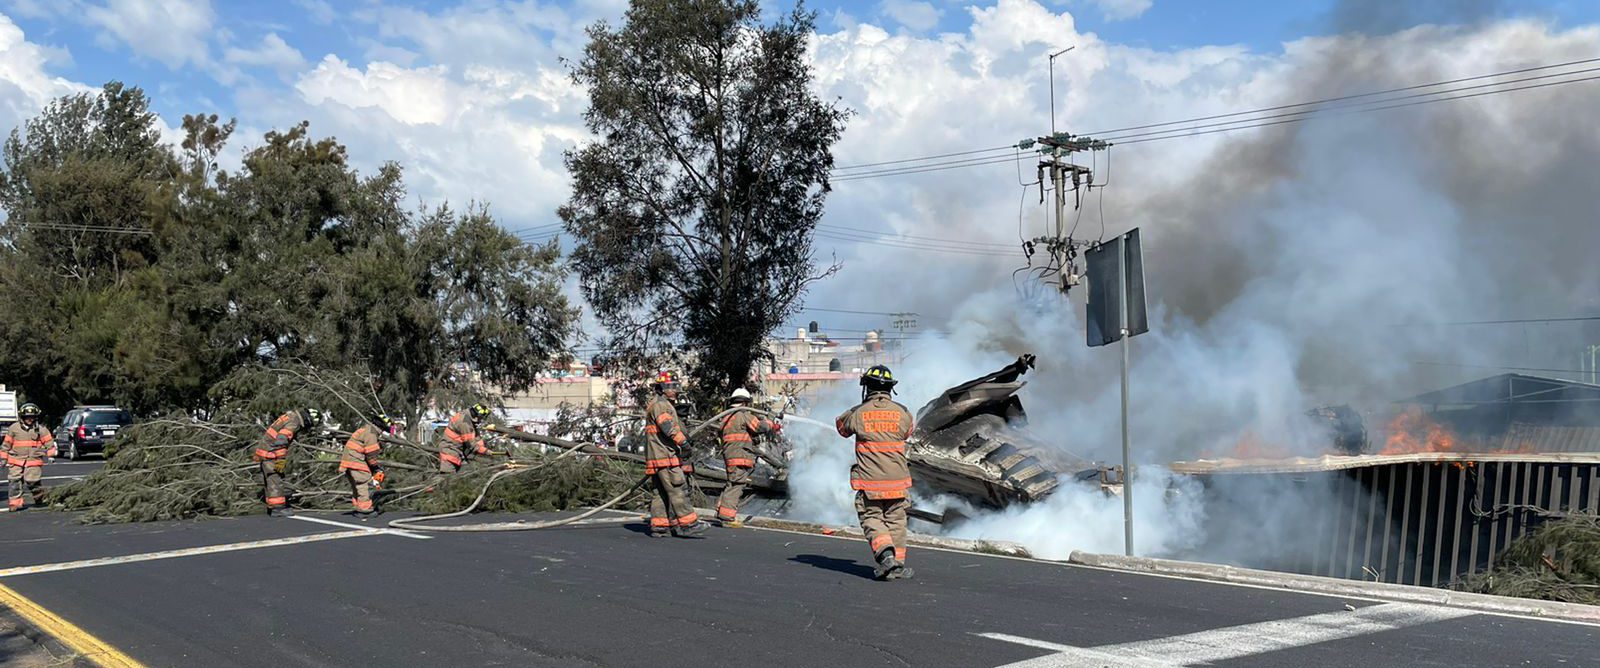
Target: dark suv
x=87, y=429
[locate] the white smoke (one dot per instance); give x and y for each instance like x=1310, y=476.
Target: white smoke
x=1282, y=266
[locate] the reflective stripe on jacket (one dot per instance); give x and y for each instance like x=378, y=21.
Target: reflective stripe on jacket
x=880, y=427
x=664, y=436
x=282, y=432
x=739, y=430
x=361, y=451
x=28, y=446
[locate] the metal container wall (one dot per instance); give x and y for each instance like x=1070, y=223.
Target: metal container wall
x=1429, y=523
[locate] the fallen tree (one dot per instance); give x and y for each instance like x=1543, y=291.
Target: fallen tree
x=182, y=466
x=1559, y=561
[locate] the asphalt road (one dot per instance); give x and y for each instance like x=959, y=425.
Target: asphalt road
x=61, y=472
x=609, y=595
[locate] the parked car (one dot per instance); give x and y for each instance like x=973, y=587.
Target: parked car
x=87, y=429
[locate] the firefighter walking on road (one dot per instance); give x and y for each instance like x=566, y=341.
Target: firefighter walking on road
x=664, y=441
x=273, y=455
x=359, y=463
x=739, y=430
x=881, y=475
x=460, y=440
x=27, y=444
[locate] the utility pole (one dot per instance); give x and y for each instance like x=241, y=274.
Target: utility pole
x=1063, y=249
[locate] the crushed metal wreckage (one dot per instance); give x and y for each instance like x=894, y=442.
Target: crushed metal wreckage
x=970, y=442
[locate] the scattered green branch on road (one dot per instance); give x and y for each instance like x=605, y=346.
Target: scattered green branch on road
x=1559, y=561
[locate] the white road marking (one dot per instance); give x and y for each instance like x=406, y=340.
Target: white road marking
x=50, y=477
x=1235, y=641
x=392, y=532
x=174, y=554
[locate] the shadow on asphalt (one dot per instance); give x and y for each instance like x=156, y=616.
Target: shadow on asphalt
x=846, y=566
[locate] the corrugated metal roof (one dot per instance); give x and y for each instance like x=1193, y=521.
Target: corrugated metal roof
x=1527, y=438
x=1509, y=388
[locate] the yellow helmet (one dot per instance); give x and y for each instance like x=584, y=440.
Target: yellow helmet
x=878, y=379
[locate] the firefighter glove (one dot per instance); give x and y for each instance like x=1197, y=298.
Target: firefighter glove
x=280, y=464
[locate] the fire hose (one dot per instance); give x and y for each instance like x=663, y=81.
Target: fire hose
x=570, y=448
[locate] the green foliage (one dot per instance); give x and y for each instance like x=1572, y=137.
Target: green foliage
x=144, y=275
x=694, y=210
x=1559, y=561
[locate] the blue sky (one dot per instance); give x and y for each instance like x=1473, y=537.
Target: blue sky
x=470, y=96
x=88, y=53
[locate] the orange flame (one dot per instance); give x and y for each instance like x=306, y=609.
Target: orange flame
x=1413, y=431
x=1250, y=446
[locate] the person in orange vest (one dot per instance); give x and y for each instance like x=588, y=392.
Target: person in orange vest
x=27, y=445
x=272, y=453
x=359, y=463
x=881, y=475
x=664, y=440
x=460, y=440
x=739, y=430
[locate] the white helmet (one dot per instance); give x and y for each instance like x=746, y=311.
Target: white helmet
x=740, y=395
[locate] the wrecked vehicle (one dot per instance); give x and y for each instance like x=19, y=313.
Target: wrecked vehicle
x=970, y=442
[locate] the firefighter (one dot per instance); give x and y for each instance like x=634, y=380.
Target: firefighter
x=739, y=430
x=27, y=445
x=881, y=475
x=359, y=463
x=459, y=440
x=664, y=440
x=273, y=454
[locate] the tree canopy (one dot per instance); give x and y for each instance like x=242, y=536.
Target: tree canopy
x=694, y=208
x=139, y=273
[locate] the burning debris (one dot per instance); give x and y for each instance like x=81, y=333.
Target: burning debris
x=972, y=441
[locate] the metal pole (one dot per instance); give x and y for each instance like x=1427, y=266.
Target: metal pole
x=1058, y=177
x=1127, y=466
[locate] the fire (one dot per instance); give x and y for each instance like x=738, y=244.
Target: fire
x=1413, y=431
x=1250, y=446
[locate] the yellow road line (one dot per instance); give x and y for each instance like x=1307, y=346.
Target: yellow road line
x=79, y=640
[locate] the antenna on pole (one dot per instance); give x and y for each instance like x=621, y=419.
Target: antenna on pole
x=1053, y=86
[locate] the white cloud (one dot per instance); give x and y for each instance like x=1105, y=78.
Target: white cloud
x=273, y=53
x=173, y=32
x=319, y=11
x=918, y=16
x=25, y=85
x=1122, y=10
x=478, y=133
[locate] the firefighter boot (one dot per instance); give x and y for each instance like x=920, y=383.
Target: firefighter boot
x=278, y=511
x=695, y=530
x=888, y=566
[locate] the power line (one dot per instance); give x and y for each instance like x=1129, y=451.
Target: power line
x=1359, y=106
x=1346, y=97
x=1372, y=109
x=913, y=237
x=935, y=167
x=75, y=227
x=840, y=310
x=1501, y=368
x=925, y=157
x=1251, y=123
x=911, y=246
x=882, y=239
x=1509, y=321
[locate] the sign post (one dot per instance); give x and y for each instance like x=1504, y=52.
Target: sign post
x=1116, y=313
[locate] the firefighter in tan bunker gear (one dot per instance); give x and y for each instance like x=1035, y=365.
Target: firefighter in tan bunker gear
x=359, y=463
x=665, y=440
x=460, y=440
x=739, y=430
x=27, y=444
x=273, y=454
x=881, y=475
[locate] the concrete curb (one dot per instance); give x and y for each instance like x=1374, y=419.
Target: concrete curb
x=1575, y=612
